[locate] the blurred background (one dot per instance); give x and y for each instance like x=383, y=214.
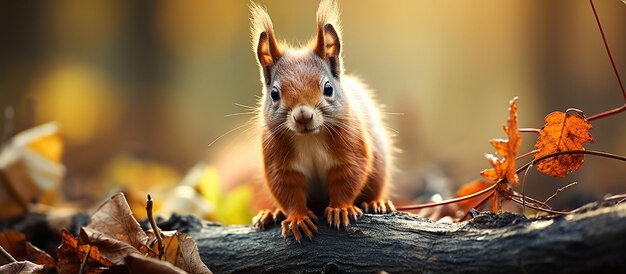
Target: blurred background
x=140, y=89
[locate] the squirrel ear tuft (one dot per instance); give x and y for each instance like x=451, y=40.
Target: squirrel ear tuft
x=328, y=40
x=264, y=43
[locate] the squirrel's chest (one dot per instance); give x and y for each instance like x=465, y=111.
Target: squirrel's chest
x=312, y=157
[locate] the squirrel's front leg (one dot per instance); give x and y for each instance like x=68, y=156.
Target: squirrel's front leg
x=289, y=189
x=344, y=184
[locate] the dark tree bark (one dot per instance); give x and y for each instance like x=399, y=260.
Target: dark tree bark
x=594, y=240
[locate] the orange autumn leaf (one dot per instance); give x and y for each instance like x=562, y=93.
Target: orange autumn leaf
x=504, y=168
x=71, y=254
x=562, y=132
x=471, y=188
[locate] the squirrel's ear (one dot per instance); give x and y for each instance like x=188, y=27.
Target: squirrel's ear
x=328, y=41
x=266, y=47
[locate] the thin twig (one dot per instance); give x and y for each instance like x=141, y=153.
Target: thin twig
x=524, y=189
x=527, y=154
x=559, y=191
x=532, y=130
x=615, y=197
x=6, y=255
x=449, y=201
x=155, y=228
x=619, y=80
x=591, y=152
x=533, y=206
x=84, y=262
x=518, y=195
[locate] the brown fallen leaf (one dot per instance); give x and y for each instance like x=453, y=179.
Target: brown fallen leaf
x=180, y=250
x=562, y=132
x=140, y=264
x=188, y=257
x=505, y=168
x=15, y=244
x=70, y=255
x=170, y=242
x=115, y=219
x=22, y=267
x=30, y=169
x=110, y=248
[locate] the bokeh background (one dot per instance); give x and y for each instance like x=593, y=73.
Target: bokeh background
x=141, y=88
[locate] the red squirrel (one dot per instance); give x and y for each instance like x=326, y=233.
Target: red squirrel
x=324, y=145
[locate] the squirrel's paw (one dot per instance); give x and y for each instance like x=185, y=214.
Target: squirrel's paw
x=378, y=207
x=340, y=216
x=301, y=221
x=266, y=218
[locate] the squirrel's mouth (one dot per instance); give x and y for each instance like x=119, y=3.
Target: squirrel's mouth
x=306, y=130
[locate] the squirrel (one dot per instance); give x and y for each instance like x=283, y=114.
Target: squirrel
x=324, y=145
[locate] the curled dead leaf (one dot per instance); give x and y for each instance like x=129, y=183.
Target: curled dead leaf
x=15, y=244
x=70, y=255
x=115, y=220
x=22, y=267
x=110, y=248
x=188, y=257
x=30, y=169
x=141, y=264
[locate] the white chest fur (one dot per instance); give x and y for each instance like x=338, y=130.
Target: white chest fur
x=312, y=156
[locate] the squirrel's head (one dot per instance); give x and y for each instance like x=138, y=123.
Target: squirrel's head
x=301, y=88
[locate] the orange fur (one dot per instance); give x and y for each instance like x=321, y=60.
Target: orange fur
x=340, y=154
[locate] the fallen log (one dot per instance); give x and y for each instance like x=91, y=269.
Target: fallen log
x=593, y=240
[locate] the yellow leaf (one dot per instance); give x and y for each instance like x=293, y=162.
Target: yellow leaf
x=209, y=185
x=235, y=209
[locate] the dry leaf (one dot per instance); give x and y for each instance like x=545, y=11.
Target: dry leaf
x=562, y=132
x=180, y=250
x=31, y=168
x=110, y=249
x=140, y=264
x=23, y=267
x=70, y=255
x=115, y=220
x=188, y=257
x=39, y=256
x=15, y=244
x=170, y=244
x=505, y=168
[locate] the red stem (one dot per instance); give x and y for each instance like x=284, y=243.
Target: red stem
x=619, y=80
x=449, y=201
x=479, y=204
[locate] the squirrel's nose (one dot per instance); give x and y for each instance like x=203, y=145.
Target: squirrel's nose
x=303, y=117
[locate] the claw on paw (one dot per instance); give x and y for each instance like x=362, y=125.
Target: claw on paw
x=378, y=207
x=266, y=218
x=340, y=216
x=297, y=222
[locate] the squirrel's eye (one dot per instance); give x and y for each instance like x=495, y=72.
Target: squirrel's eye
x=328, y=89
x=274, y=94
